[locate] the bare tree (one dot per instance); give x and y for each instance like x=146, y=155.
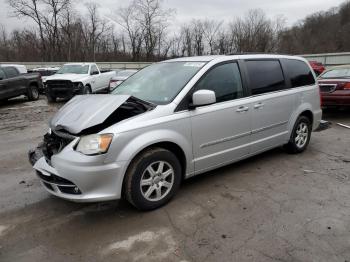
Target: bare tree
x=153, y=19
x=31, y=9
x=143, y=33
x=255, y=32
x=210, y=32
x=127, y=20
x=54, y=10
x=94, y=28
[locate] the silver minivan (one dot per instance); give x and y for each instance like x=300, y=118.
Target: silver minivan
x=174, y=120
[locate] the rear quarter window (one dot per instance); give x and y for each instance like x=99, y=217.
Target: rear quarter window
x=265, y=76
x=299, y=73
x=11, y=72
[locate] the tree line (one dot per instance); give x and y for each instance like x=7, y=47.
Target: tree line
x=144, y=31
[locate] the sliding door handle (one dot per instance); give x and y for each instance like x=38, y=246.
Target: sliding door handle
x=242, y=109
x=259, y=105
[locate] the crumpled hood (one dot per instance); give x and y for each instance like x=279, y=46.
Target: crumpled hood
x=85, y=111
x=70, y=77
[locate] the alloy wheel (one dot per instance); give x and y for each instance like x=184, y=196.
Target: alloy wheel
x=302, y=134
x=157, y=181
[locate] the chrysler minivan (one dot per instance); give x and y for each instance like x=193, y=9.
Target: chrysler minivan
x=174, y=120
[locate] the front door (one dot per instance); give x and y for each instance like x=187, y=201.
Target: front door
x=221, y=131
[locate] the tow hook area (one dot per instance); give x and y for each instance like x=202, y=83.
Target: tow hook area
x=35, y=154
x=324, y=125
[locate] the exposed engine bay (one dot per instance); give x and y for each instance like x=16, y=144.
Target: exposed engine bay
x=60, y=136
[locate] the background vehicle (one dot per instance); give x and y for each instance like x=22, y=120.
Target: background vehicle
x=335, y=86
x=45, y=72
x=22, y=69
x=77, y=78
x=176, y=119
x=120, y=78
x=13, y=83
x=318, y=67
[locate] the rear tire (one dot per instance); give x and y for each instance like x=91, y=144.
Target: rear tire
x=300, y=136
x=152, y=179
x=33, y=93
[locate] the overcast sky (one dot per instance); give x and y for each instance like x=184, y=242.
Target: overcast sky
x=292, y=10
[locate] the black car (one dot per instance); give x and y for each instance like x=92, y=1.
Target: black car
x=13, y=83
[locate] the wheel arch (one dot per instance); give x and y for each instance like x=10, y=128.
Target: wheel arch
x=307, y=113
x=304, y=109
x=33, y=83
x=172, y=146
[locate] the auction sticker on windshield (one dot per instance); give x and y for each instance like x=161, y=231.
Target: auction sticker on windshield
x=194, y=64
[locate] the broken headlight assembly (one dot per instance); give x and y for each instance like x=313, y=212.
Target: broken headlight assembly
x=94, y=144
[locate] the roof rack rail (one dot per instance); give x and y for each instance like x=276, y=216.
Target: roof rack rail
x=255, y=53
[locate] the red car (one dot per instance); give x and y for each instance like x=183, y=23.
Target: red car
x=335, y=86
x=318, y=67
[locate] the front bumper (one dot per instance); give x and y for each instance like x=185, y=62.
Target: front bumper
x=63, y=90
x=80, y=178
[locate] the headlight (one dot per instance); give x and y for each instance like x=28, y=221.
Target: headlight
x=94, y=144
x=79, y=86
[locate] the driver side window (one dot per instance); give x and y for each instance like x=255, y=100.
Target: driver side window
x=94, y=69
x=224, y=80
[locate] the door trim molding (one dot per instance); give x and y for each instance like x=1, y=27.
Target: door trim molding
x=226, y=139
x=269, y=127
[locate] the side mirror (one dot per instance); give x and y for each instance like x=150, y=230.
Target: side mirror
x=94, y=73
x=203, y=98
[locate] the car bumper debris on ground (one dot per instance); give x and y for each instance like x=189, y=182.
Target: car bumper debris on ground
x=272, y=207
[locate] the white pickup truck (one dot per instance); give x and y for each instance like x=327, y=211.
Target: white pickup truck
x=76, y=78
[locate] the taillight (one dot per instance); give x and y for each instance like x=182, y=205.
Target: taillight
x=343, y=86
x=347, y=86
x=111, y=82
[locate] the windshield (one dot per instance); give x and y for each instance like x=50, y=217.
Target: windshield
x=159, y=83
x=337, y=73
x=74, y=69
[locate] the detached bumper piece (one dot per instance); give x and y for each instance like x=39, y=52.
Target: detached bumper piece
x=324, y=125
x=58, y=184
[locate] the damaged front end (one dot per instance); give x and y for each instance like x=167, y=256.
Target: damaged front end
x=85, y=115
x=53, y=143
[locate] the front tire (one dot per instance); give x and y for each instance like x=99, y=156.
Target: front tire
x=33, y=93
x=87, y=90
x=152, y=179
x=300, y=136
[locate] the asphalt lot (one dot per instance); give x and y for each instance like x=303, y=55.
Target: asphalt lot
x=273, y=207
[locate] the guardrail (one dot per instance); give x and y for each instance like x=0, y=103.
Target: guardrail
x=330, y=59
x=104, y=65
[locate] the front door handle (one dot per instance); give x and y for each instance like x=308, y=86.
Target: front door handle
x=259, y=105
x=242, y=109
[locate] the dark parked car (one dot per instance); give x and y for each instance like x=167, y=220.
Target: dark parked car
x=335, y=86
x=13, y=83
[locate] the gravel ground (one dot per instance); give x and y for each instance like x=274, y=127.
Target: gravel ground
x=273, y=207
